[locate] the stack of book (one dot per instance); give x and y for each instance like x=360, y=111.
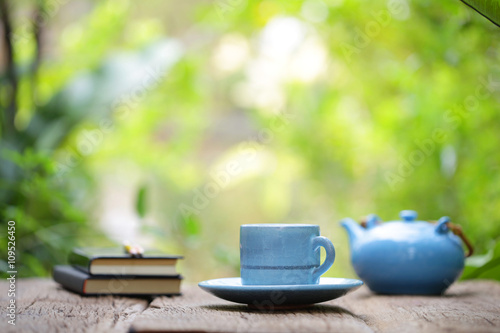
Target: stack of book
x=111, y=271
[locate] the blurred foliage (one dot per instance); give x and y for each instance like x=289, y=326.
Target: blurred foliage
x=252, y=112
x=485, y=266
x=45, y=186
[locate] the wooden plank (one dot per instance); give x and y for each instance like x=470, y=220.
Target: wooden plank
x=472, y=306
x=43, y=306
x=466, y=307
x=198, y=311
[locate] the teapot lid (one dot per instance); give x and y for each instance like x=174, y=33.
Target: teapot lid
x=408, y=215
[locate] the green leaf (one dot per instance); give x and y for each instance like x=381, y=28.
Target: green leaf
x=488, y=8
x=490, y=270
x=192, y=225
x=140, y=204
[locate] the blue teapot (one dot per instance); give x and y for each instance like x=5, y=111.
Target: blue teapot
x=408, y=256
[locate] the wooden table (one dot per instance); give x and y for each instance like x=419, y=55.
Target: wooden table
x=43, y=306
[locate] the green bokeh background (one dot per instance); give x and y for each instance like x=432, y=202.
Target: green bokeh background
x=171, y=123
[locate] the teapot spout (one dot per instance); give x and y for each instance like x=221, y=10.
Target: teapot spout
x=354, y=230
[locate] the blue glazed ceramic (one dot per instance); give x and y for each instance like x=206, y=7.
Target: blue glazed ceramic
x=283, y=254
x=405, y=257
x=279, y=296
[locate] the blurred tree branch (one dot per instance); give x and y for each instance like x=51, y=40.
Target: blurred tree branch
x=10, y=105
x=37, y=32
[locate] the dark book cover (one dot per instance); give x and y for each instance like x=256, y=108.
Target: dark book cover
x=85, y=284
x=84, y=258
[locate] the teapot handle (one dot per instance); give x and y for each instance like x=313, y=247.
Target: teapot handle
x=444, y=224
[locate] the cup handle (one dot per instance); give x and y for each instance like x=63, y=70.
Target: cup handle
x=318, y=242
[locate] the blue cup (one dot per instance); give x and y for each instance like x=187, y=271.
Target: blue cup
x=283, y=254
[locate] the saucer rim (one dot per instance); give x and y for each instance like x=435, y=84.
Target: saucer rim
x=353, y=283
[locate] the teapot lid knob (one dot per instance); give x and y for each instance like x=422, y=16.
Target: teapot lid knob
x=408, y=215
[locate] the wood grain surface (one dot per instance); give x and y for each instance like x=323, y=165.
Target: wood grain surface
x=43, y=306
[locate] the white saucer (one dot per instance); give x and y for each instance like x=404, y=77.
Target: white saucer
x=280, y=296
